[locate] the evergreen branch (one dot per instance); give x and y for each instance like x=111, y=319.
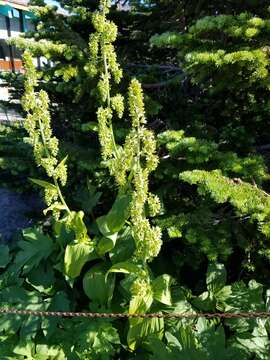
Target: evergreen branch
x=246, y=198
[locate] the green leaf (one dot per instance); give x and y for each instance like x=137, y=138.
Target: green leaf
x=140, y=329
x=212, y=341
x=174, y=342
x=187, y=339
x=119, y=213
x=114, y=221
x=20, y=298
x=42, y=278
x=61, y=163
x=62, y=235
x=125, y=268
x=221, y=296
x=243, y=298
x=33, y=250
x=31, y=325
x=105, y=245
x=256, y=343
x=124, y=247
x=215, y=277
x=17, y=297
x=160, y=351
x=161, y=288
x=76, y=255
x=43, y=184
x=95, y=339
x=4, y=256
x=76, y=223
x=90, y=126
x=45, y=352
x=26, y=349
x=105, y=230
x=7, y=344
x=204, y=302
x=142, y=300
x=59, y=302
x=87, y=197
x=97, y=286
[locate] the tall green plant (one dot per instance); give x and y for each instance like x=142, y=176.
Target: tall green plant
x=45, y=145
x=45, y=149
x=130, y=164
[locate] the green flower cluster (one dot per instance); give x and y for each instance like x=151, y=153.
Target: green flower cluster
x=147, y=238
x=45, y=149
x=103, y=61
x=131, y=163
x=45, y=145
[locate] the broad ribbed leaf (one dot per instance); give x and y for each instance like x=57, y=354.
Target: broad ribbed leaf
x=35, y=248
x=97, y=286
x=161, y=288
x=215, y=277
x=76, y=255
x=140, y=329
x=114, y=221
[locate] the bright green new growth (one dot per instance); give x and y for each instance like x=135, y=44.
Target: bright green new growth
x=45, y=145
x=200, y=151
x=131, y=163
x=246, y=198
x=206, y=37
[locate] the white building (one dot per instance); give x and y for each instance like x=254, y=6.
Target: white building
x=15, y=19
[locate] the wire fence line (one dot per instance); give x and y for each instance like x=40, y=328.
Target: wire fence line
x=186, y=315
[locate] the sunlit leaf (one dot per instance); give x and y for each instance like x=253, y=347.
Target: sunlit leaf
x=76, y=255
x=44, y=184
x=140, y=329
x=161, y=289
x=215, y=277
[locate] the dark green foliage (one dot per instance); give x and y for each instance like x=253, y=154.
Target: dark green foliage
x=16, y=159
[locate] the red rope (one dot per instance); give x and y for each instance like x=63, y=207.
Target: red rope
x=186, y=315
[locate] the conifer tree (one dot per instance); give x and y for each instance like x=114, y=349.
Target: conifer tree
x=227, y=60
